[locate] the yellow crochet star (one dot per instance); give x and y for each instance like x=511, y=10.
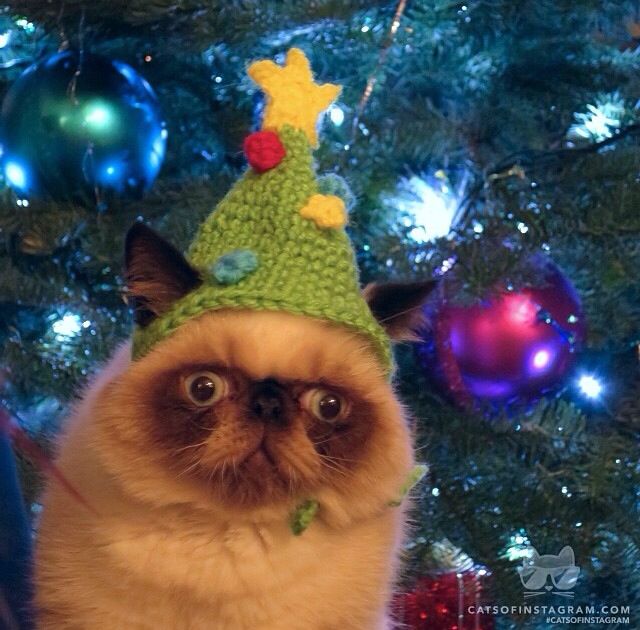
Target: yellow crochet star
x=326, y=211
x=293, y=97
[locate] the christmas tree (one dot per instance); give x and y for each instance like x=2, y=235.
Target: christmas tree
x=489, y=145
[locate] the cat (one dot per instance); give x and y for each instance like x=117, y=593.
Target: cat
x=194, y=457
x=562, y=570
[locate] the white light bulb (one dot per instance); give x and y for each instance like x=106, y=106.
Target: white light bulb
x=430, y=208
x=336, y=115
x=68, y=326
x=590, y=386
x=16, y=175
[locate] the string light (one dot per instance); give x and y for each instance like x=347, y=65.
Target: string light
x=601, y=120
x=26, y=25
x=429, y=206
x=336, y=115
x=590, y=386
x=69, y=325
x=518, y=547
x=446, y=265
x=16, y=175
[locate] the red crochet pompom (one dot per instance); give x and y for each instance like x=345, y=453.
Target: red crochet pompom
x=264, y=150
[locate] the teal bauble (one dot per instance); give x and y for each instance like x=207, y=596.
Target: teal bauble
x=81, y=127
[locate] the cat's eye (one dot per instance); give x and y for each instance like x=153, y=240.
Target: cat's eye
x=205, y=388
x=325, y=405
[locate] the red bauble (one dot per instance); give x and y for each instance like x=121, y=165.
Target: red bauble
x=444, y=601
x=514, y=346
x=264, y=150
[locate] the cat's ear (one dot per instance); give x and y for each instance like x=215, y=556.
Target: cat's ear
x=156, y=273
x=398, y=306
x=567, y=556
x=535, y=556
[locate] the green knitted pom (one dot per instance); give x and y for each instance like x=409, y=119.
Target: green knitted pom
x=234, y=266
x=332, y=184
x=303, y=516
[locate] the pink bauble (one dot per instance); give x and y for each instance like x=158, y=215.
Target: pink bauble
x=515, y=345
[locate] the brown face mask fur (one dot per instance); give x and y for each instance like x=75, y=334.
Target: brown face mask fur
x=254, y=442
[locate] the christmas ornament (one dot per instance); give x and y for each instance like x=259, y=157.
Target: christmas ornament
x=515, y=345
x=80, y=124
x=448, y=597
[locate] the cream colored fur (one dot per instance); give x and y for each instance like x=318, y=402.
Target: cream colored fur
x=159, y=554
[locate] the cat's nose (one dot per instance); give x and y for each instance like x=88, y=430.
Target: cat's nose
x=267, y=402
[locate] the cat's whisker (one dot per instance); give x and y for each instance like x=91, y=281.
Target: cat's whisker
x=186, y=448
x=335, y=459
x=292, y=476
x=340, y=459
x=191, y=467
x=335, y=467
x=331, y=438
x=234, y=469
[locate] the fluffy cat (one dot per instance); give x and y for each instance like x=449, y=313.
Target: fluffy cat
x=241, y=457
x=195, y=456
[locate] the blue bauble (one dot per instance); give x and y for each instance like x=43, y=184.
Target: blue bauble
x=81, y=127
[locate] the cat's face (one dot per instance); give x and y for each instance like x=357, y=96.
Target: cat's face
x=256, y=408
x=251, y=409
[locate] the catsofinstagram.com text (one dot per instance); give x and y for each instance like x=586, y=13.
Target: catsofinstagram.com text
x=562, y=614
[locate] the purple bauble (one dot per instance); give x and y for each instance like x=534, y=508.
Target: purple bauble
x=513, y=346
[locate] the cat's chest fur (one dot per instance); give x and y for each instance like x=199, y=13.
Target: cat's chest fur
x=254, y=576
x=161, y=575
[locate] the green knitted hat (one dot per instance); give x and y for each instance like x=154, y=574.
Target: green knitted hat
x=275, y=242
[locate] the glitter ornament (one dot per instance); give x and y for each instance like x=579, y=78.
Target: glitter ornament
x=446, y=598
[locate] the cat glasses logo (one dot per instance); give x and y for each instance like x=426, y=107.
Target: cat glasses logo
x=549, y=574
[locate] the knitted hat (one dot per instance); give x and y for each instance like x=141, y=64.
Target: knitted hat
x=275, y=242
